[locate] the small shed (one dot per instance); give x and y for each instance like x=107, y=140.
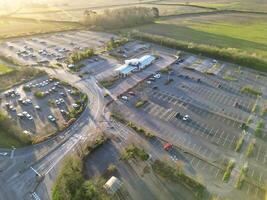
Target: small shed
x=112, y=185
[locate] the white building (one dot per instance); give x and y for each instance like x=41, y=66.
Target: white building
x=112, y=185
x=135, y=64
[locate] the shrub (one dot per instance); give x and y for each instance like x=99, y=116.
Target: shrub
x=78, y=56
x=133, y=152
x=228, y=170
x=241, y=177
x=140, y=103
x=26, y=88
x=39, y=94
x=250, y=148
x=248, y=89
x=258, y=129
x=239, y=143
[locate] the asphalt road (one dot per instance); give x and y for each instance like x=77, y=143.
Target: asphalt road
x=19, y=169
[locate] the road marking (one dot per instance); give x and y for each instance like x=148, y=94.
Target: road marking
x=35, y=171
x=12, y=153
x=35, y=196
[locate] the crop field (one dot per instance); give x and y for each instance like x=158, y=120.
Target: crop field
x=12, y=27
x=239, y=31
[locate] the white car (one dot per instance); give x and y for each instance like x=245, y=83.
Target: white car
x=3, y=153
x=124, y=98
x=37, y=107
x=148, y=82
x=20, y=115
x=29, y=116
x=186, y=117
x=75, y=105
x=27, y=132
x=156, y=76
x=51, y=118
x=28, y=101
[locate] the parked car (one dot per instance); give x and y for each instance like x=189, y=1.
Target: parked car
x=51, y=118
x=186, y=118
x=167, y=146
x=124, y=98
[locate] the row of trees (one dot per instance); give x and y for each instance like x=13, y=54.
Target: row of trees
x=228, y=54
x=70, y=184
x=121, y=17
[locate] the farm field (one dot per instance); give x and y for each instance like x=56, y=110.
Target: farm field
x=252, y=5
x=77, y=14
x=239, y=31
x=12, y=27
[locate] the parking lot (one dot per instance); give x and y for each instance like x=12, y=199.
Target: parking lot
x=202, y=115
x=51, y=48
x=42, y=106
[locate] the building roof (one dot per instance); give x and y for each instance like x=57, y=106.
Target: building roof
x=112, y=185
x=146, y=58
x=125, y=69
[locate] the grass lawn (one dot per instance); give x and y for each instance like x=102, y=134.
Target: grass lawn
x=14, y=27
x=4, y=69
x=241, y=31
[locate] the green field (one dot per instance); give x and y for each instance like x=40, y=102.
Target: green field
x=76, y=15
x=13, y=27
x=244, y=32
x=252, y=5
x=4, y=69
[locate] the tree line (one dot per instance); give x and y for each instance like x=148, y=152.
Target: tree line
x=227, y=54
x=120, y=17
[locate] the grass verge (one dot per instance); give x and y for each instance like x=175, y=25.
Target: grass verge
x=228, y=170
x=177, y=175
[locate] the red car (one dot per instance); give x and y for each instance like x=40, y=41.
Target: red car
x=167, y=146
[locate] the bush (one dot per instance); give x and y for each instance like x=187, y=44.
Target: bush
x=250, y=148
x=133, y=152
x=165, y=70
x=107, y=83
x=248, y=89
x=116, y=43
x=78, y=56
x=39, y=94
x=230, y=55
x=239, y=143
x=228, y=170
x=258, y=129
x=26, y=89
x=241, y=177
x=140, y=103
